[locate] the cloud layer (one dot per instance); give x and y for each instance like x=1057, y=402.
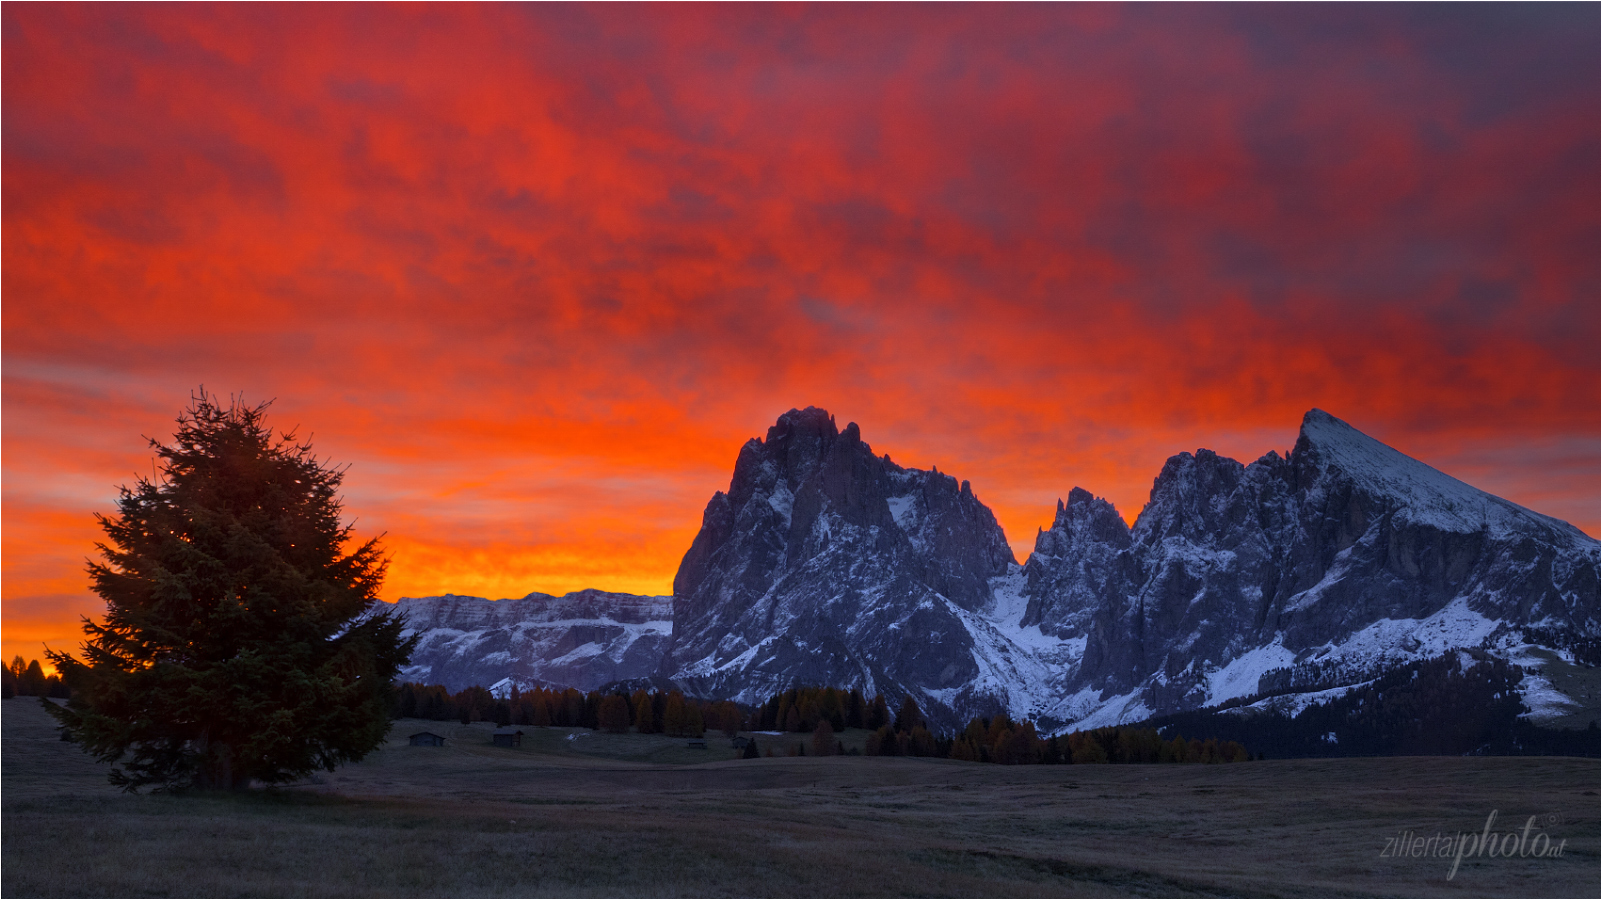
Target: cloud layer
x=537, y=272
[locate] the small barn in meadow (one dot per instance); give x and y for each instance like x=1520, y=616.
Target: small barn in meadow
x=427, y=739
x=507, y=737
x=697, y=743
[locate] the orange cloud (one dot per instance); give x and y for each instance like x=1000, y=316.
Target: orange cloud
x=537, y=273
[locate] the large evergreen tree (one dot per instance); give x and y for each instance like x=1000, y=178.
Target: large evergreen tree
x=240, y=641
x=613, y=714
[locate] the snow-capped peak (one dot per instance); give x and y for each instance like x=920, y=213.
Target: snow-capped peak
x=1429, y=495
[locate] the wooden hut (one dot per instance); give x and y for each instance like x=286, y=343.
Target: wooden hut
x=427, y=739
x=507, y=737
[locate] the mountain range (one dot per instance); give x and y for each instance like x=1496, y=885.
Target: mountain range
x=1273, y=585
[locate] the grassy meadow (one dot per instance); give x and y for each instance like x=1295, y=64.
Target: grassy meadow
x=645, y=815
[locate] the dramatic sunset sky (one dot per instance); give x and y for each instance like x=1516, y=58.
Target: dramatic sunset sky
x=536, y=273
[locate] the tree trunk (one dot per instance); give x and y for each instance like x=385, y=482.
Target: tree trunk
x=217, y=768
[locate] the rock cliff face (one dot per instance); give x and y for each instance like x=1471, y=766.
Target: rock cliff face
x=1345, y=558
x=1076, y=564
x=585, y=639
x=826, y=564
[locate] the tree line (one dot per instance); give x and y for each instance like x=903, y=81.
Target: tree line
x=1445, y=706
x=654, y=712
x=994, y=739
x=27, y=679
x=819, y=713
x=998, y=739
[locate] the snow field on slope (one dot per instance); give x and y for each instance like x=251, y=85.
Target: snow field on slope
x=1240, y=677
x=1453, y=627
x=1429, y=496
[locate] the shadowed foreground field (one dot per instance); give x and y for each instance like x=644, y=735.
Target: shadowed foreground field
x=633, y=815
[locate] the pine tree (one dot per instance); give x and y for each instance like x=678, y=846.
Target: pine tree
x=1086, y=749
x=676, y=719
x=855, y=709
x=909, y=716
x=883, y=743
x=8, y=683
x=31, y=682
x=644, y=713
x=729, y=718
x=1022, y=745
x=573, y=707
x=823, y=739
x=239, y=641
x=832, y=707
x=540, y=715
x=613, y=714
x=406, y=702
x=878, y=714
x=998, y=724
x=810, y=711
x=1001, y=747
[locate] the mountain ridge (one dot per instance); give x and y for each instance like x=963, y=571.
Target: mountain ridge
x=825, y=563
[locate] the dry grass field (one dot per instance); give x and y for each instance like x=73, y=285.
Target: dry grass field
x=634, y=815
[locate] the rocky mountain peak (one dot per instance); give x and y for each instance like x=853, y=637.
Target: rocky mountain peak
x=1188, y=496
x=1085, y=517
x=799, y=439
x=823, y=542
x=811, y=422
x=1330, y=449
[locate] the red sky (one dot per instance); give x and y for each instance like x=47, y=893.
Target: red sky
x=536, y=273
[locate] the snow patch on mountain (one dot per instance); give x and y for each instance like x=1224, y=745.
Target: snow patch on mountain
x=1544, y=701
x=1243, y=674
x=782, y=502
x=1427, y=495
x=583, y=639
x=1087, y=711
x=904, y=510
x=1292, y=705
x=1390, y=641
x=1006, y=669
